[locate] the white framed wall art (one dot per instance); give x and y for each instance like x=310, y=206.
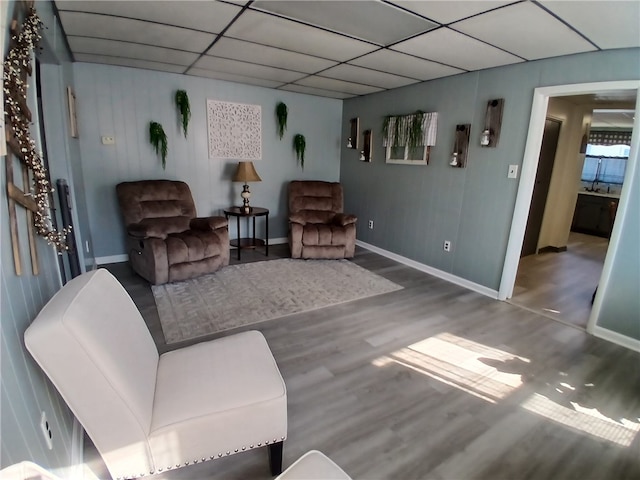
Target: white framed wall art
x=235, y=130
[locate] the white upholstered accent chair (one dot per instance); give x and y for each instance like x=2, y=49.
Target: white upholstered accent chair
x=147, y=413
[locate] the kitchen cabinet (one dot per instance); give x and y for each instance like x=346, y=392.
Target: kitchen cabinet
x=594, y=214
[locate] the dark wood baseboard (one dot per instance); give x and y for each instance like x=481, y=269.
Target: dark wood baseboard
x=552, y=249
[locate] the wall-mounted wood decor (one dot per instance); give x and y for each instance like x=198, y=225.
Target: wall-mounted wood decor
x=354, y=133
x=21, y=148
x=73, y=121
x=492, y=123
x=460, y=146
x=367, y=146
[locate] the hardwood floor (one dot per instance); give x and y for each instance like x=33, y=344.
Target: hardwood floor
x=560, y=285
x=437, y=382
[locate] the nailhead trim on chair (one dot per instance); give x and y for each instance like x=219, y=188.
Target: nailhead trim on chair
x=211, y=457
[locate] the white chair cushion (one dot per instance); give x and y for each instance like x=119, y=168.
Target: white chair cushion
x=313, y=465
x=217, y=398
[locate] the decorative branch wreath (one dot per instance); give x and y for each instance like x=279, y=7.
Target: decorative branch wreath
x=15, y=94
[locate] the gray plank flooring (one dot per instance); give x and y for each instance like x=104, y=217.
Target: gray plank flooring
x=560, y=285
x=437, y=382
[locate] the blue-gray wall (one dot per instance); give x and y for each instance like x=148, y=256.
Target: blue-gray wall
x=120, y=102
x=24, y=390
x=416, y=208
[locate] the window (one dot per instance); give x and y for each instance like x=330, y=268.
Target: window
x=605, y=163
x=397, y=142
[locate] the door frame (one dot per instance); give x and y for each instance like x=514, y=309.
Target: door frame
x=559, y=122
x=529, y=168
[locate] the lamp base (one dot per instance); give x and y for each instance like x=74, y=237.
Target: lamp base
x=246, y=194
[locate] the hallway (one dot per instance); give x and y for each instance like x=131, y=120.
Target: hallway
x=560, y=285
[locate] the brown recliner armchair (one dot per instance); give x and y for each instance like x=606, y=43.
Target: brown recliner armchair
x=318, y=228
x=165, y=240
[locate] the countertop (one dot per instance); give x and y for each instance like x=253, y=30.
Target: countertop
x=600, y=194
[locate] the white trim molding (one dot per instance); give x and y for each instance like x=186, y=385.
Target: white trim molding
x=112, y=259
x=615, y=337
x=463, y=282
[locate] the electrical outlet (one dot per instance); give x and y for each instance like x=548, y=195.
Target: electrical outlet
x=371, y=224
x=46, y=430
x=513, y=171
x=108, y=140
x=447, y=246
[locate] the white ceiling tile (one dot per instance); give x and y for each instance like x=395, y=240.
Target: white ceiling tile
x=407, y=65
x=229, y=77
x=610, y=24
x=205, y=16
x=383, y=24
x=279, y=32
x=236, y=67
x=337, y=85
x=292, y=87
x=114, y=48
x=455, y=49
x=128, y=30
x=525, y=30
x=353, y=73
x=129, y=62
x=450, y=10
x=264, y=55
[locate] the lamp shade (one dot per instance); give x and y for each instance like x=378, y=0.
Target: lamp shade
x=246, y=172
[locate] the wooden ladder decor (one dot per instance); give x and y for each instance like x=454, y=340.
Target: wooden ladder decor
x=35, y=188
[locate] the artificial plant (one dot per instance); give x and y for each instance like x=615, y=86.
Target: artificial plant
x=184, y=109
x=281, y=114
x=300, y=145
x=158, y=139
x=407, y=129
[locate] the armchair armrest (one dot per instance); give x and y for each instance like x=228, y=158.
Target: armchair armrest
x=208, y=223
x=300, y=218
x=141, y=231
x=344, y=219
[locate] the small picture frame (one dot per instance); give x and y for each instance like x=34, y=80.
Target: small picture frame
x=73, y=122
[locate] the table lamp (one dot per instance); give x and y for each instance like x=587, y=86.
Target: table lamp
x=246, y=172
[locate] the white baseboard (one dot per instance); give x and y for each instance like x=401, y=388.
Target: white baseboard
x=615, y=337
x=112, y=259
x=463, y=282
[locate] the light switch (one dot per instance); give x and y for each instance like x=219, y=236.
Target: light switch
x=513, y=171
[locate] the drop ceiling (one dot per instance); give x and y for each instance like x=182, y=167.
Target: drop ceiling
x=340, y=49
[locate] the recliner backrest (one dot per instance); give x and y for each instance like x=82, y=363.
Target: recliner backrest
x=95, y=347
x=154, y=199
x=315, y=196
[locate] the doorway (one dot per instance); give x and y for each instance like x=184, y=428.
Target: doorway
x=527, y=183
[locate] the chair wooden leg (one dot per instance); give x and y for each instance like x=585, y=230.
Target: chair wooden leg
x=275, y=458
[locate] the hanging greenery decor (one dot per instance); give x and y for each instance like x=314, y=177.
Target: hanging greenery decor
x=18, y=60
x=184, y=109
x=158, y=139
x=300, y=145
x=404, y=129
x=281, y=114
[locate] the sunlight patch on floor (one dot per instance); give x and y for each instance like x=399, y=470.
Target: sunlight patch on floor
x=482, y=371
x=583, y=419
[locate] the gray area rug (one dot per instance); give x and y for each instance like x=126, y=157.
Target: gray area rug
x=249, y=293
